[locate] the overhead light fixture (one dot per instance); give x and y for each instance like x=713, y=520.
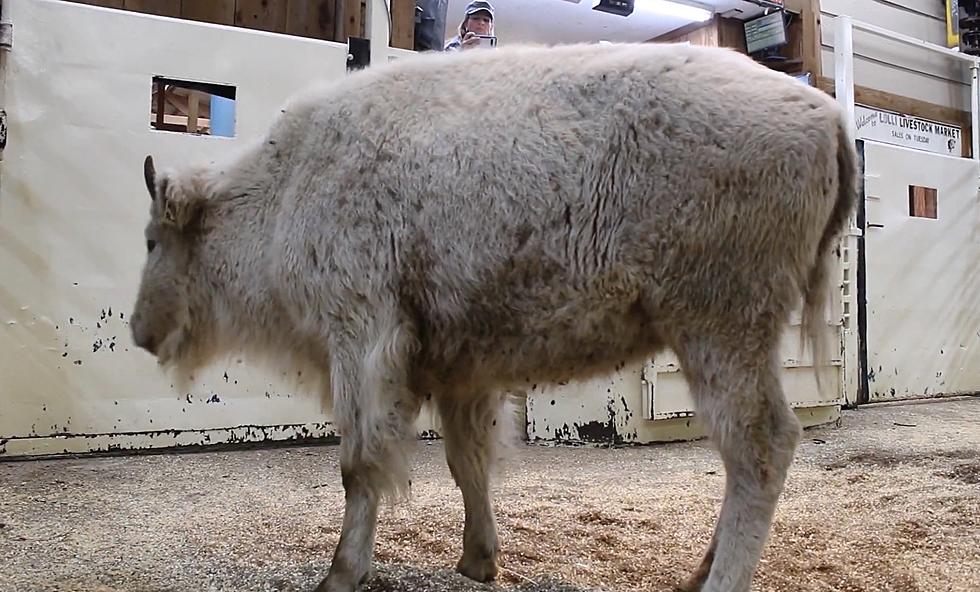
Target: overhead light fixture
x=686, y=11
x=617, y=7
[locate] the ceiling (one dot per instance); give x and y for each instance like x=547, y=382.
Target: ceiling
x=570, y=21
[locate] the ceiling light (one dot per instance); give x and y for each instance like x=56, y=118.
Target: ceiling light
x=675, y=9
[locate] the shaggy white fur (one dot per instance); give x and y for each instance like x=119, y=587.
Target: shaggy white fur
x=460, y=224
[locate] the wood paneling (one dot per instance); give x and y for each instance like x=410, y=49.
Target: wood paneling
x=923, y=202
x=353, y=15
x=809, y=13
x=263, y=15
x=801, y=52
x=696, y=33
x=311, y=18
x=103, y=3
x=731, y=33
x=403, y=24
x=332, y=20
x=718, y=32
x=221, y=12
x=157, y=7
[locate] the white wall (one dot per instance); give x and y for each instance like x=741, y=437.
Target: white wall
x=72, y=211
x=892, y=67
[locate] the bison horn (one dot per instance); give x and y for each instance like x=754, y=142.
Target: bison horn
x=150, y=175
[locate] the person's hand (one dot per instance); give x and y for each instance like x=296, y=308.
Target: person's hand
x=469, y=41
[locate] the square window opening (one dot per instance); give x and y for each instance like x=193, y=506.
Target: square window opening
x=923, y=202
x=189, y=107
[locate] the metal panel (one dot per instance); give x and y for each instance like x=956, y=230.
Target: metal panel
x=72, y=211
x=923, y=276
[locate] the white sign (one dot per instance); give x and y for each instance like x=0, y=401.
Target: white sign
x=911, y=132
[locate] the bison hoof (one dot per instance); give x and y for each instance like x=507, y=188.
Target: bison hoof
x=481, y=568
x=339, y=582
x=692, y=584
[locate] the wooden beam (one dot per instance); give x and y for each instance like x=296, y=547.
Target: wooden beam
x=403, y=24
x=898, y=104
x=193, y=102
x=161, y=103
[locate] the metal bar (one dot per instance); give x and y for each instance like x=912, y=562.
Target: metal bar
x=844, y=68
x=911, y=40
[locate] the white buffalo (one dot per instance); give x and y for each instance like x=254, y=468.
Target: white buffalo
x=460, y=224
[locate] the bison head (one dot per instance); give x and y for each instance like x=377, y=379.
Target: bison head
x=161, y=321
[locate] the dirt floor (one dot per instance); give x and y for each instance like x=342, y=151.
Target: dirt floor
x=888, y=501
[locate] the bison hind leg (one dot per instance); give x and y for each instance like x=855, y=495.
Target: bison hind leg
x=734, y=378
x=478, y=428
x=376, y=412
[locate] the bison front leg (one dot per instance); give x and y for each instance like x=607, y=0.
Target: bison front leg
x=736, y=386
x=473, y=428
x=376, y=412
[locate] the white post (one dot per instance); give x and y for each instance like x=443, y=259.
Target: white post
x=378, y=30
x=844, y=91
x=844, y=65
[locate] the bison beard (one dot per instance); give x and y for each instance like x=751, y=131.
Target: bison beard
x=458, y=224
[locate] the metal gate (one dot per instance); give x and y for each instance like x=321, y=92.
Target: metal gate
x=922, y=269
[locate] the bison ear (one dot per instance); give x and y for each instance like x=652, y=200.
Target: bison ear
x=182, y=200
x=150, y=176
x=181, y=209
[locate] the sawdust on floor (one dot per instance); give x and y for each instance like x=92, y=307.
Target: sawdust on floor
x=887, y=502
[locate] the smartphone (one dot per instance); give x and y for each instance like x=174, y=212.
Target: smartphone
x=487, y=41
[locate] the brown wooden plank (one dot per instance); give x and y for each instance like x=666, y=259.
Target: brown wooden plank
x=403, y=24
x=263, y=15
x=102, y=3
x=810, y=13
x=161, y=103
x=221, y=12
x=311, y=18
x=157, y=7
x=353, y=19
x=899, y=104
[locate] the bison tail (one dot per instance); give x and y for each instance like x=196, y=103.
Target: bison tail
x=815, y=289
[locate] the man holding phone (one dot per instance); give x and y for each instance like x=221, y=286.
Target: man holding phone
x=476, y=30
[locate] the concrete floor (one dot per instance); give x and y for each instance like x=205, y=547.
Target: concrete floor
x=889, y=501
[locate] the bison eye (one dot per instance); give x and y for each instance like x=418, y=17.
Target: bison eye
x=150, y=244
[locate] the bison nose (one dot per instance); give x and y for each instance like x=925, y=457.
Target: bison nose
x=144, y=340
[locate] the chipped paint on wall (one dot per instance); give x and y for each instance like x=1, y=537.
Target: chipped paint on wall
x=617, y=409
x=68, y=443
